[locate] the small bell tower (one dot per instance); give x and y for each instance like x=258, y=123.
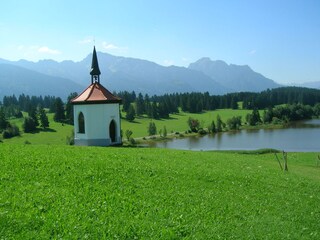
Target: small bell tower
x=96, y=113
x=95, y=71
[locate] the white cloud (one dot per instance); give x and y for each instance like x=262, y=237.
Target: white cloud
x=47, y=50
x=109, y=46
x=86, y=40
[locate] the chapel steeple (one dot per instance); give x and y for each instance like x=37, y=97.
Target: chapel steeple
x=95, y=71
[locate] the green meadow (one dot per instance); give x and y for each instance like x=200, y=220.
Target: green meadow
x=68, y=192
x=178, y=122
x=57, y=132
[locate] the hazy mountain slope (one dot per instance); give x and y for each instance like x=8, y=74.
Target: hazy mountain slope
x=121, y=73
x=17, y=80
x=234, y=77
x=311, y=84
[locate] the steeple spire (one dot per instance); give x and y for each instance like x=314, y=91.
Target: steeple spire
x=95, y=71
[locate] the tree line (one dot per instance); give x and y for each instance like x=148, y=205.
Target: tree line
x=35, y=107
x=156, y=107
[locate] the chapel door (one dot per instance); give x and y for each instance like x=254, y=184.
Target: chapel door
x=112, y=131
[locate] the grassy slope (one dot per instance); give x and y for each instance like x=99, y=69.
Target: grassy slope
x=57, y=132
x=178, y=122
x=123, y=193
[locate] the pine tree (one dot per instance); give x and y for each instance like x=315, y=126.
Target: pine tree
x=3, y=121
x=29, y=125
x=212, y=127
x=152, y=129
x=140, y=108
x=33, y=114
x=219, y=124
x=130, y=113
x=69, y=108
x=58, y=110
x=44, y=122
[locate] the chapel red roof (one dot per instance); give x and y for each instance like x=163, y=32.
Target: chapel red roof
x=95, y=93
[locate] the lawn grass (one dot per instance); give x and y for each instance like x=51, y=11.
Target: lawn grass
x=132, y=193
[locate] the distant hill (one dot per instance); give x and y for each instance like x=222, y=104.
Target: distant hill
x=233, y=77
x=17, y=80
x=311, y=85
x=120, y=73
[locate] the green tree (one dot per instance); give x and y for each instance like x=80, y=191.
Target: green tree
x=69, y=108
x=219, y=124
x=212, y=127
x=44, y=122
x=193, y=124
x=130, y=113
x=234, y=103
x=29, y=125
x=152, y=129
x=140, y=108
x=164, y=132
x=11, y=131
x=234, y=123
x=3, y=120
x=59, y=115
x=253, y=118
x=33, y=114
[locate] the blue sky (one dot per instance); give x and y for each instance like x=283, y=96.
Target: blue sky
x=279, y=39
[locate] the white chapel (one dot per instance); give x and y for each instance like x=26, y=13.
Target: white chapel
x=96, y=113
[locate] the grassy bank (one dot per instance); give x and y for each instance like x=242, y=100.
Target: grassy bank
x=124, y=193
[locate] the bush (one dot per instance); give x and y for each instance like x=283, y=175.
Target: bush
x=193, y=124
x=29, y=125
x=11, y=131
x=201, y=131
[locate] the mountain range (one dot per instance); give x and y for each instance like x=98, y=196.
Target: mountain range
x=48, y=77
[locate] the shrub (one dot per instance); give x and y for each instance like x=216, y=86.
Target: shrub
x=29, y=125
x=201, y=131
x=11, y=131
x=193, y=124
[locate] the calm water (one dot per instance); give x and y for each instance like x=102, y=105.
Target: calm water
x=300, y=137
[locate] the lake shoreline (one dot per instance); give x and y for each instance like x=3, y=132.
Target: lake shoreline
x=294, y=137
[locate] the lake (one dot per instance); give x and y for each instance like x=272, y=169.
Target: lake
x=298, y=137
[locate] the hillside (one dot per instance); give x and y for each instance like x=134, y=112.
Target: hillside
x=234, y=77
x=121, y=73
x=17, y=80
x=122, y=193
